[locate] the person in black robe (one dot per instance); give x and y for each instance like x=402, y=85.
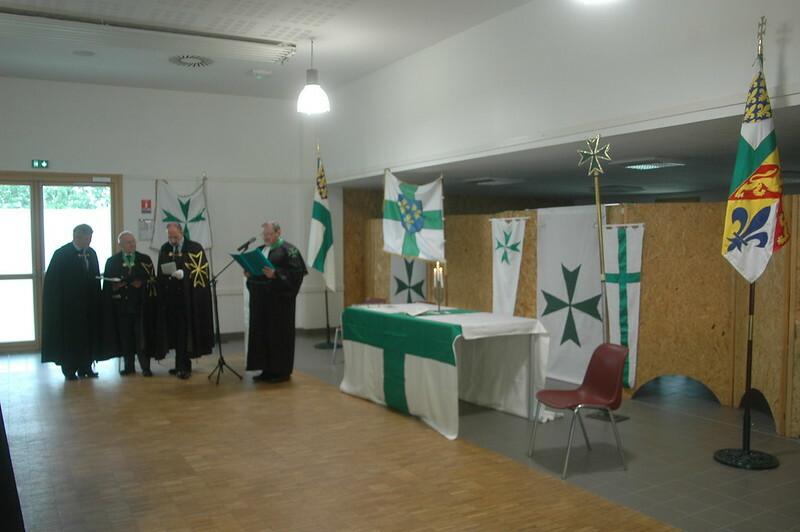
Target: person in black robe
x=71, y=327
x=270, y=343
x=184, y=300
x=129, y=304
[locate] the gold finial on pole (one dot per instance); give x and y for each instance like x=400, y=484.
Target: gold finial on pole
x=762, y=30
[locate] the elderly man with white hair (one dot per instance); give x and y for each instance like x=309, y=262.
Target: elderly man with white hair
x=130, y=305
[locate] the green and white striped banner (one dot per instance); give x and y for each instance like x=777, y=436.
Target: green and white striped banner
x=623, y=258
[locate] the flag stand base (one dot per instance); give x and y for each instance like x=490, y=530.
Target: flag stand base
x=741, y=459
x=327, y=345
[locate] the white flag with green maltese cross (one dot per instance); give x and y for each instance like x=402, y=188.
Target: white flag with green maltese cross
x=623, y=258
x=413, y=219
x=568, y=299
x=507, y=237
x=188, y=210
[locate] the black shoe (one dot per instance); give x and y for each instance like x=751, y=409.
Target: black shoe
x=124, y=372
x=71, y=377
x=262, y=377
x=88, y=374
x=183, y=375
x=173, y=371
x=147, y=373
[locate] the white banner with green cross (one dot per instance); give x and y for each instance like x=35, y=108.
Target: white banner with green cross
x=623, y=259
x=413, y=219
x=423, y=364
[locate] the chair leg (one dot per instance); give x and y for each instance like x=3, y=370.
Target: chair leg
x=335, y=343
x=569, y=446
x=619, y=442
x=533, y=430
x=583, y=428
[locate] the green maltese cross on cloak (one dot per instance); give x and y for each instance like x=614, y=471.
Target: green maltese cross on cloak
x=406, y=285
x=186, y=219
x=506, y=247
x=554, y=304
x=594, y=154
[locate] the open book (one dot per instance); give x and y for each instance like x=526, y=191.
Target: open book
x=253, y=261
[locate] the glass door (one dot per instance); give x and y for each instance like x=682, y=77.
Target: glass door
x=65, y=206
x=17, y=279
x=37, y=215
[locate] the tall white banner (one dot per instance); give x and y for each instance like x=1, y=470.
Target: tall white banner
x=407, y=283
x=187, y=210
x=507, y=237
x=568, y=298
x=623, y=257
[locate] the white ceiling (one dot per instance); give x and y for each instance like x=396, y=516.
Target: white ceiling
x=352, y=39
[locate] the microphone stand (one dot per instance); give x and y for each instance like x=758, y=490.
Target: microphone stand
x=221, y=364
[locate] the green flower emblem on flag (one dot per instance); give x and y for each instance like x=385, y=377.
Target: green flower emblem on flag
x=506, y=247
x=587, y=306
x=186, y=219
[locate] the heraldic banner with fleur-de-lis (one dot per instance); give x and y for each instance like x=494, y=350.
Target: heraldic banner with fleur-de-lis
x=413, y=219
x=754, y=222
x=188, y=210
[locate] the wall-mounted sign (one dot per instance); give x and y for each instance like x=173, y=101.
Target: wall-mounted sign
x=147, y=206
x=40, y=163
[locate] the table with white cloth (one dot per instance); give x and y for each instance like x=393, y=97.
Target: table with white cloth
x=420, y=361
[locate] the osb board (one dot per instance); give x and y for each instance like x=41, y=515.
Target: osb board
x=377, y=263
x=771, y=333
x=526, y=289
x=686, y=316
x=358, y=206
x=468, y=274
x=793, y=356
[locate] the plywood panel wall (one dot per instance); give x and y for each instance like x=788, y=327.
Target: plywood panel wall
x=359, y=206
x=686, y=318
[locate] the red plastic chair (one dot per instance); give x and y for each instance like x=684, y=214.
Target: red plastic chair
x=601, y=390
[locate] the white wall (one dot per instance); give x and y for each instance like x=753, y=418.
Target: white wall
x=555, y=71
x=257, y=153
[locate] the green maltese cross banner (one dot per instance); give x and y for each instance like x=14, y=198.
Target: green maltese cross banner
x=413, y=219
x=507, y=237
x=407, y=280
x=187, y=210
x=568, y=299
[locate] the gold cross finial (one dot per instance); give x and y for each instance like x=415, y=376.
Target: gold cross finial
x=594, y=154
x=762, y=30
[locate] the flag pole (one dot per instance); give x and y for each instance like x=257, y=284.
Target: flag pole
x=593, y=155
x=327, y=344
x=746, y=458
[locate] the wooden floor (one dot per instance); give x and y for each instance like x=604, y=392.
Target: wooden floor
x=160, y=454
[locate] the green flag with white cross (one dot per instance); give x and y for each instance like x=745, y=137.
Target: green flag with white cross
x=623, y=258
x=413, y=219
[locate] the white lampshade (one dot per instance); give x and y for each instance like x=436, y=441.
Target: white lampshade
x=312, y=99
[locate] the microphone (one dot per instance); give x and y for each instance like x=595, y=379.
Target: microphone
x=246, y=244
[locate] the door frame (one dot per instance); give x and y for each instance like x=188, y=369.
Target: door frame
x=37, y=180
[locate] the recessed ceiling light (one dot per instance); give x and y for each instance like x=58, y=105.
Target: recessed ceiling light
x=190, y=61
x=259, y=74
x=83, y=53
x=652, y=165
x=596, y=2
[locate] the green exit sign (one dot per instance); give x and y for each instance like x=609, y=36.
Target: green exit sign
x=40, y=163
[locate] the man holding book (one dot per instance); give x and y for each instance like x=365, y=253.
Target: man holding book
x=270, y=346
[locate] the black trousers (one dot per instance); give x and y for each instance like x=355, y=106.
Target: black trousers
x=130, y=335
x=178, y=327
